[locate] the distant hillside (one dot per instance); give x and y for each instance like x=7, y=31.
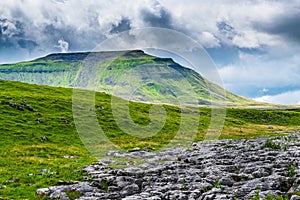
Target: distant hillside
x=173, y=81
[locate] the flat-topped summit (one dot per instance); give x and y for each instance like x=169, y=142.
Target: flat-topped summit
x=173, y=81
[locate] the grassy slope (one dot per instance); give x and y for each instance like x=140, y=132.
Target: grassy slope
x=48, y=112
x=64, y=70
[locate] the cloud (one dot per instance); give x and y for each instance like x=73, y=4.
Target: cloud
x=45, y=23
x=230, y=21
x=123, y=25
x=252, y=72
x=254, y=43
x=291, y=97
x=265, y=90
x=63, y=45
x=9, y=28
x=158, y=16
x=10, y=31
x=212, y=23
x=285, y=25
x=209, y=40
x=59, y=1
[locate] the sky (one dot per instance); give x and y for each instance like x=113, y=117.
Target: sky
x=255, y=44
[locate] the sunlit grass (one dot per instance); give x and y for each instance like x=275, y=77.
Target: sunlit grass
x=24, y=155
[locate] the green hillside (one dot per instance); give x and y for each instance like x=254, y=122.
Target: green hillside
x=38, y=134
x=156, y=79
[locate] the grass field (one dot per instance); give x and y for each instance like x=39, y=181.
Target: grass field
x=40, y=144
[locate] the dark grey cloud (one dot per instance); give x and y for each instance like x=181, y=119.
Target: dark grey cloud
x=286, y=25
x=27, y=44
x=40, y=32
x=11, y=28
x=123, y=25
x=78, y=41
x=11, y=34
x=20, y=36
x=53, y=34
x=161, y=19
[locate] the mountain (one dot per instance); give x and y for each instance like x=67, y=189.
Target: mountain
x=131, y=75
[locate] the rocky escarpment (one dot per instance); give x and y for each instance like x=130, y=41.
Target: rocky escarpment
x=224, y=169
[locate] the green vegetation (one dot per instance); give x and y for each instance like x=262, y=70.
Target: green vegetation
x=295, y=193
x=271, y=145
x=73, y=194
x=37, y=139
x=256, y=195
x=40, y=144
x=156, y=79
x=274, y=197
x=268, y=197
x=217, y=183
x=291, y=170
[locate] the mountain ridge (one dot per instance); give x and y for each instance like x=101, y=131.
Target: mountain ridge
x=63, y=69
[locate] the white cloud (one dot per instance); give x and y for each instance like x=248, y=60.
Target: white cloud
x=254, y=39
x=84, y=24
x=8, y=28
x=258, y=75
x=199, y=16
x=63, y=45
x=199, y=19
x=251, y=73
x=207, y=39
x=291, y=97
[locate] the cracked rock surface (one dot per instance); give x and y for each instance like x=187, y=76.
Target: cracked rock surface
x=223, y=169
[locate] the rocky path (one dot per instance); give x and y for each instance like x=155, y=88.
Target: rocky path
x=224, y=169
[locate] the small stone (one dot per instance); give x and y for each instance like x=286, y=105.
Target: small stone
x=44, y=139
x=227, y=181
x=131, y=189
x=295, y=197
x=43, y=191
x=59, y=195
x=89, y=169
x=44, y=171
x=270, y=127
x=260, y=173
